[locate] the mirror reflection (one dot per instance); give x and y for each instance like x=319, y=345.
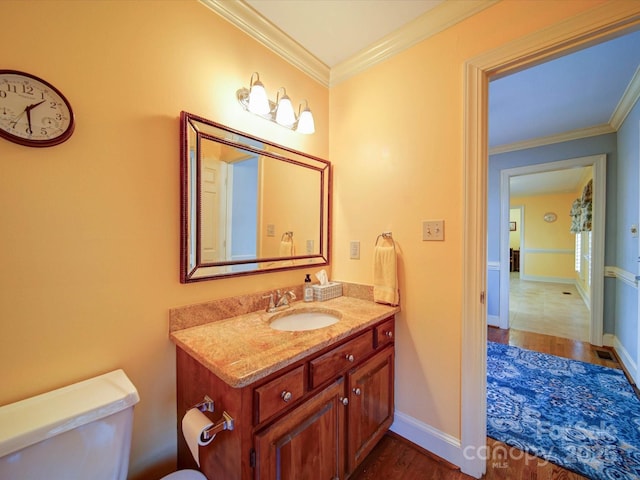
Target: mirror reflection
x=248, y=205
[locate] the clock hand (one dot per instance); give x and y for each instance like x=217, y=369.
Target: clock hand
x=15, y=120
x=34, y=105
x=28, y=110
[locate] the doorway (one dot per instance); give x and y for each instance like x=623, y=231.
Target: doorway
x=598, y=24
x=597, y=163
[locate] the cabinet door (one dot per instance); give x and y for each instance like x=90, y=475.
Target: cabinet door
x=370, y=389
x=308, y=442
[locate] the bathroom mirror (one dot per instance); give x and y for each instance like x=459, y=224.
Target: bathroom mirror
x=248, y=205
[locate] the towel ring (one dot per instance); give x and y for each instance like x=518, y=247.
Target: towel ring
x=287, y=236
x=386, y=236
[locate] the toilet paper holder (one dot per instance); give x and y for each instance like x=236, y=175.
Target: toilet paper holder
x=225, y=423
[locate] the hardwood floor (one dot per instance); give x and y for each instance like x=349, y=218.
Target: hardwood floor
x=395, y=457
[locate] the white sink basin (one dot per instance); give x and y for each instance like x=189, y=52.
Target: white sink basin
x=300, y=320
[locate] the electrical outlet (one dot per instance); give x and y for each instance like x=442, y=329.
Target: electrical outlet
x=433, y=230
x=354, y=250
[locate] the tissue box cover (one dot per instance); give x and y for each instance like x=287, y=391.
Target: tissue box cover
x=327, y=292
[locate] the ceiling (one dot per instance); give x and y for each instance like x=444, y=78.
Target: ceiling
x=578, y=94
x=335, y=30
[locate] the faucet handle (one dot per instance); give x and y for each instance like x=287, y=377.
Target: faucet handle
x=271, y=306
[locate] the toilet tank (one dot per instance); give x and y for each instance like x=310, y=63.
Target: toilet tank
x=81, y=431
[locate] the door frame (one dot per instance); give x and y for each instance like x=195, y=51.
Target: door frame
x=593, y=26
x=598, y=163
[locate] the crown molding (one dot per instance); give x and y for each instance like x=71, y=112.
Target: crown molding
x=627, y=101
x=428, y=24
x=551, y=139
x=260, y=29
x=242, y=16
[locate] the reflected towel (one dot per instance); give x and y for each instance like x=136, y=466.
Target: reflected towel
x=286, y=249
x=385, y=276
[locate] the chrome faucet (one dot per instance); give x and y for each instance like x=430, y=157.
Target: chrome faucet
x=283, y=300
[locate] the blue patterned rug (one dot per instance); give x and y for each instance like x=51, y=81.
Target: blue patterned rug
x=583, y=417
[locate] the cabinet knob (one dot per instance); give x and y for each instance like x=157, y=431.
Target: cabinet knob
x=286, y=396
x=344, y=401
x=350, y=358
x=388, y=334
x=357, y=391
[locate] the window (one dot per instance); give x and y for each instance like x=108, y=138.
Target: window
x=578, y=252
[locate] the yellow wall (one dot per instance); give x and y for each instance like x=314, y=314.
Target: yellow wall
x=397, y=147
x=90, y=228
x=514, y=235
x=554, y=237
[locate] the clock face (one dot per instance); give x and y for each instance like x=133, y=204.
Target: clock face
x=32, y=111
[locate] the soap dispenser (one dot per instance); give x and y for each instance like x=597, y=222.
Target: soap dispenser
x=307, y=289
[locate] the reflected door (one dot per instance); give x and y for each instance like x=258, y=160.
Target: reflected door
x=213, y=224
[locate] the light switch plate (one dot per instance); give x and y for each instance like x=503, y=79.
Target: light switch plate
x=309, y=246
x=433, y=230
x=271, y=230
x=354, y=250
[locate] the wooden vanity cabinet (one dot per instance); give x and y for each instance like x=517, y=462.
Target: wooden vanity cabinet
x=317, y=418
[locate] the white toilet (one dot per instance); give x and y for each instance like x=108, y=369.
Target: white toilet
x=78, y=432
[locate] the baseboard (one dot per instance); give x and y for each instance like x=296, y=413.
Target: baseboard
x=626, y=359
x=538, y=278
x=608, y=339
x=584, y=295
x=493, y=321
x=439, y=443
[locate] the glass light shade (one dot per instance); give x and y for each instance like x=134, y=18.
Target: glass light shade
x=258, y=101
x=305, y=122
x=284, y=112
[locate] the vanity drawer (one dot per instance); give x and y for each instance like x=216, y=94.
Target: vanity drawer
x=385, y=333
x=340, y=359
x=278, y=394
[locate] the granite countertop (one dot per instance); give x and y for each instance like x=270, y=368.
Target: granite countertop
x=243, y=349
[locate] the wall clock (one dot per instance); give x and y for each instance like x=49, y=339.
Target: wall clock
x=32, y=111
x=550, y=217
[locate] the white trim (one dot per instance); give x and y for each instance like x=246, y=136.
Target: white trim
x=551, y=139
x=494, y=321
x=626, y=103
x=540, y=278
x=442, y=444
x=626, y=359
x=443, y=16
x=608, y=339
x=623, y=275
x=587, y=28
x=242, y=16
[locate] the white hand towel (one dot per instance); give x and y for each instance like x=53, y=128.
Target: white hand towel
x=286, y=249
x=385, y=276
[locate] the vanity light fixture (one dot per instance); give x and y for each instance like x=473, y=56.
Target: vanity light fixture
x=258, y=102
x=284, y=110
x=305, y=120
x=255, y=100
